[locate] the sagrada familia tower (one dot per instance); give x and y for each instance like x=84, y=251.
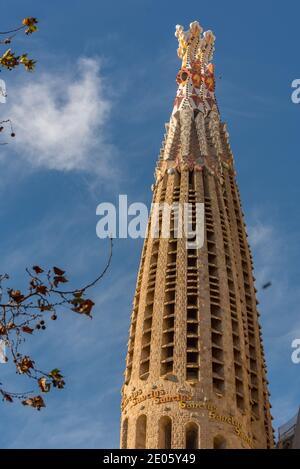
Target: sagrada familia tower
x=196, y=374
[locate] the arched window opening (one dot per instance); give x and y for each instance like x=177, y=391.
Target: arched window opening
x=192, y=436
x=165, y=433
x=220, y=442
x=140, y=435
x=125, y=434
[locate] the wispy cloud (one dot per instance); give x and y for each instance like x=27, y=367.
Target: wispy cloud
x=61, y=120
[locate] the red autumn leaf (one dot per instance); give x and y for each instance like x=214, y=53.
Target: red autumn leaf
x=45, y=308
x=16, y=295
x=37, y=269
x=25, y=365
x=7, y=397
x=59, y=279
x=36, y=402
x=58, y=271
x=84, y=307
x=42, y=289
x=27, y=329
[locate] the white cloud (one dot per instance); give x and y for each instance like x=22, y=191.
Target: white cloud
x=60, y=120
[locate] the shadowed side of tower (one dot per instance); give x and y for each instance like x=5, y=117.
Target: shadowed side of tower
x=195, y=374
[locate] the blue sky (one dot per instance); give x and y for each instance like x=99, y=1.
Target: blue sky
x=89, y=125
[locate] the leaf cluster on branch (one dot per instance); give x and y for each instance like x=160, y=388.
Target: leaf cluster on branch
x=9, y=60
x=24, y=313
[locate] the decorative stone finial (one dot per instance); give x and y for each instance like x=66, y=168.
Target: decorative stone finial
x=195, y=79
x=201, y=46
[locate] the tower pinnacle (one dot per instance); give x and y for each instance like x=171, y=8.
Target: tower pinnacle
x=195, y=79
x=194, y=133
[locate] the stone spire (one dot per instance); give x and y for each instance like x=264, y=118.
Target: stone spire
x=195, y=371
